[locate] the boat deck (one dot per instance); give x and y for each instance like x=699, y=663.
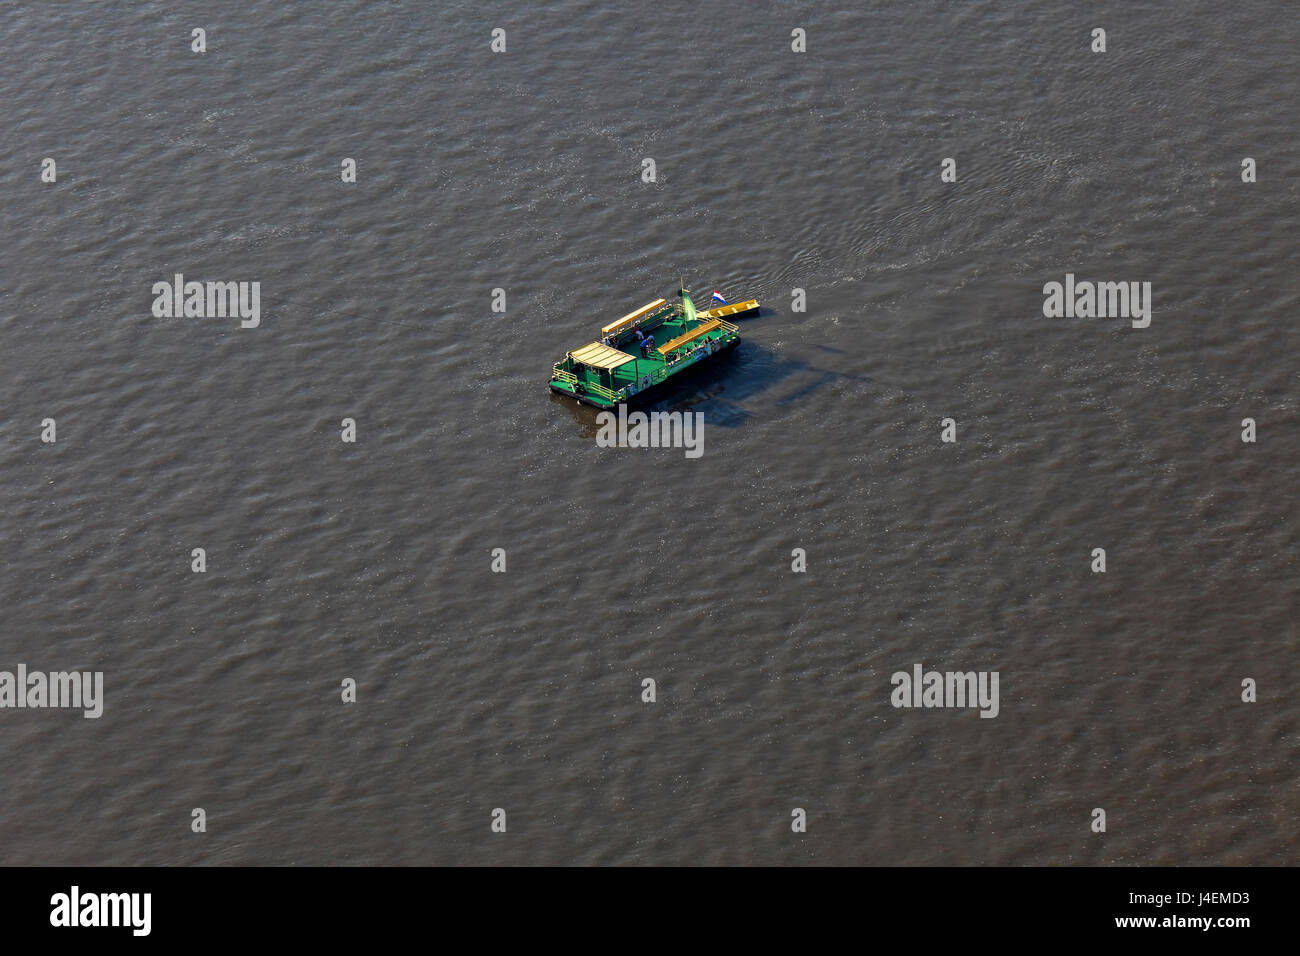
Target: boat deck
x=615, y=369
x=637, y=370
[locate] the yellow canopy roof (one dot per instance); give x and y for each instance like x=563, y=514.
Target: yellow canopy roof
x=596, y=355
x=633, y=316
x=681, y=340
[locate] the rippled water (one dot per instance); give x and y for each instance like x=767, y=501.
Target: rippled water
x=522, y=690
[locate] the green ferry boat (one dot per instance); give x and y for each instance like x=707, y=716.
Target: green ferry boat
x=646, y=348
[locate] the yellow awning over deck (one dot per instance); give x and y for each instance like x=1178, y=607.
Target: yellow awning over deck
x=596, y=355
x=681, y=340
x=631, y=317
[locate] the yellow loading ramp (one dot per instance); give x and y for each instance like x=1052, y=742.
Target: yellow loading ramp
x=694, y=333
x=740, y=308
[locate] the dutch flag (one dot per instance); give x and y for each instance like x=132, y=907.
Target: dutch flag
x=718, y=295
